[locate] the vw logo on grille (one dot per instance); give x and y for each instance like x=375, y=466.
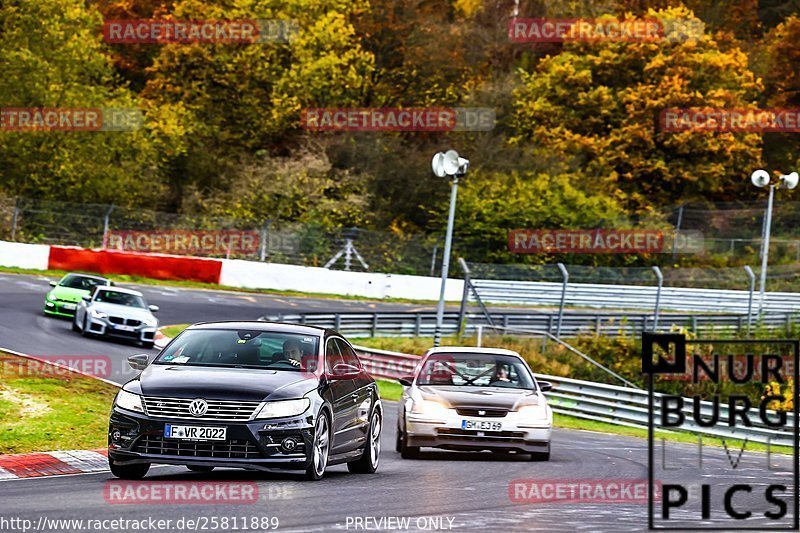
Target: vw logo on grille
x=198, y=407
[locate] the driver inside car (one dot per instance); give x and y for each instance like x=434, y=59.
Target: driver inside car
x=292, y=351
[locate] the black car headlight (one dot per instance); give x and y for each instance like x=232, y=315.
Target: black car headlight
x=284, y=408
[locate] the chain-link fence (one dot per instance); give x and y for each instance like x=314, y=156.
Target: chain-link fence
x=114, y=227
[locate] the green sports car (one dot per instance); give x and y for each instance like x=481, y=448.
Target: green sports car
x=64, y=297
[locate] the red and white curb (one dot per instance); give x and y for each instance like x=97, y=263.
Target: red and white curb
x=25, y=465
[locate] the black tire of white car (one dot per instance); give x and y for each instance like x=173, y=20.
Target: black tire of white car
x=406, y=451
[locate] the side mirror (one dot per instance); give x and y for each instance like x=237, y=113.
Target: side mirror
x=406, y=381
x=53, y=283
x=153, y=308
x=86, y=298
x=344, y=371
x=138, y=361
x=545, y=386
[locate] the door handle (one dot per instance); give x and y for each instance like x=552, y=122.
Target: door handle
x=354, y=396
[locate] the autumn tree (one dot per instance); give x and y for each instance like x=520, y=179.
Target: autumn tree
x=599, y=103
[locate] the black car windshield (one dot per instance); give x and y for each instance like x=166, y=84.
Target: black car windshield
x=85, y=283
x=476, y=370
x=237, y=348
x=119, y=298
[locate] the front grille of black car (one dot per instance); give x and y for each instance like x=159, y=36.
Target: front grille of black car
x=475, y=411
x=124, y=321
x=488, y=436
x=231, y=449
x=217, y=409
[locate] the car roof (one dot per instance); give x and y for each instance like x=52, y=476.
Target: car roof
x=260, y=325
x=81, y=274
x=119, y=289
x=473, y=349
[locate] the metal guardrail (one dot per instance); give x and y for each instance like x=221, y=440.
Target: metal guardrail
x=623, y=406
x=629, y=296
x=605, y=323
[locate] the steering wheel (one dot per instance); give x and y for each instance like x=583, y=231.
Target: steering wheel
x=286, y=363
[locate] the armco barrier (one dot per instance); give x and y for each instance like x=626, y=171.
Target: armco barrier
x=623, y=406
x=155, y=266
x=629, y=296
x=574, y=323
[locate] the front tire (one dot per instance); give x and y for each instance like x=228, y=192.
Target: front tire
x=406, y=451
x=137, y=471
x=320, y=449
x=148, y=345
x=541, y=456
x=85, y=330
x=75, y=327
x=368, y=462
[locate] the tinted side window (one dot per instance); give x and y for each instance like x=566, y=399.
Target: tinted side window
x=332, y=355
x=349, y=356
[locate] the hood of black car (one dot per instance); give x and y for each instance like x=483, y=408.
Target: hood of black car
x=245, y=384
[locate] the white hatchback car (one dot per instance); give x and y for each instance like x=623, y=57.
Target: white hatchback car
x=463, y=398
x=117, y=312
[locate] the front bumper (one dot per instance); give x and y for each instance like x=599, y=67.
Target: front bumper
x=255, y=445
x=141, y=333
x=60, y=308
x=446, y=431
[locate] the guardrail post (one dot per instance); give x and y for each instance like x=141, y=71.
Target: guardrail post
x=598, y=326
x=660, y=278
x=788, y=323
x=337, y=321
x=565, y=276
x=694, y=324
x=752, y=277
x=374, y=324
x=417, y=325
x=479, y=339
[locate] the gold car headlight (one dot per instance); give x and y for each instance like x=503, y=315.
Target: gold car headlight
x=429, y=408
x=533, y=412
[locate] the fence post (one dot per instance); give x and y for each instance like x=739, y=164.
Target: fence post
x=106, y=220
x=565, y=276
x=14, y=220
x=677, y=230
x=660, y=278
x=464, y=296
x=433, y=257
x=264, y=248
x=752, y=277
x=479, y=340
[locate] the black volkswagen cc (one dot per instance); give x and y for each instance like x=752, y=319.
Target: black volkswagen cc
x=254, y=395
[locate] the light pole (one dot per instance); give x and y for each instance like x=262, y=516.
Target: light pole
x=451, y=165
x=761, y=178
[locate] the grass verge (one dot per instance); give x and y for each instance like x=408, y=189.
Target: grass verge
x=45, y=408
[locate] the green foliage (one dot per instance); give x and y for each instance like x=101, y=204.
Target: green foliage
x=599, y=102
x=53, y=57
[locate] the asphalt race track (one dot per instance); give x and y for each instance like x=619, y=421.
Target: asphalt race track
x=440, y=491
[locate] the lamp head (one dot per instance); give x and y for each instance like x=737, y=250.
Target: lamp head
x=760, y=178
x=789, y=181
